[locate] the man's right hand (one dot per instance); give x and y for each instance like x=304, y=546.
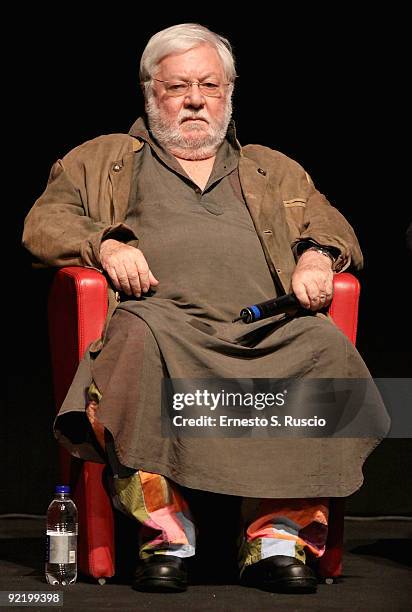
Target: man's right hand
x=127, y=267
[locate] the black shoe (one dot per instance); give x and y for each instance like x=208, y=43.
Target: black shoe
x=161, y=574
x=280, y=574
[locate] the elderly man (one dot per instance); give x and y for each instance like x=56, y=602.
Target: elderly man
x=189, y=227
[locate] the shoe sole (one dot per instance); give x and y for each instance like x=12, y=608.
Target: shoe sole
x=297, y=586
x=160, y=585
x=283, y=585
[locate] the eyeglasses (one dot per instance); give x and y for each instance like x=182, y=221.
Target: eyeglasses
x=181, y=88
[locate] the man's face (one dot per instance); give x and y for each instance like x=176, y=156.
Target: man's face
x=192, y=125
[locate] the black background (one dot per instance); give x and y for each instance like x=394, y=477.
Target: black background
x=330, y=94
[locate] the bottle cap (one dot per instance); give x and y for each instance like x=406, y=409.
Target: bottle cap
x=62, y=489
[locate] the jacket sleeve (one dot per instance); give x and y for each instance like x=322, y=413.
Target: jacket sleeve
x=59, y=231
x=312, y=218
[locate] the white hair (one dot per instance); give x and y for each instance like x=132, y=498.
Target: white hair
x=181, y=38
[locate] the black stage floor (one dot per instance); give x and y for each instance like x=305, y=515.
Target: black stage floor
x=377, y=576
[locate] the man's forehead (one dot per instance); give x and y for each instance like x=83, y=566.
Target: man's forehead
x=201, y=60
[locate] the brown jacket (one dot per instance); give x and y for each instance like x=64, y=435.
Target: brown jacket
x=87, y=196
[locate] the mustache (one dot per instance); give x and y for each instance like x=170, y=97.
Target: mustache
x=187, y=116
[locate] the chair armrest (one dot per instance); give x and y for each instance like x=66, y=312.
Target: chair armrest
x=77, y=311
x=345, y=304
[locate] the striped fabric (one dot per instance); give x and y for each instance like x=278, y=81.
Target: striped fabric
x=289, y=527
x=167, y=526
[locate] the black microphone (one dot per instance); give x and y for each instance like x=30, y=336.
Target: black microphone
x=283, y=304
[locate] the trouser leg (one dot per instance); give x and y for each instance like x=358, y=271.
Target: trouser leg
x=290, y=527
x=156, y=502
x=166, y=524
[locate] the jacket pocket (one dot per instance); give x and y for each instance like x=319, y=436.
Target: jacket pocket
x=295, y=217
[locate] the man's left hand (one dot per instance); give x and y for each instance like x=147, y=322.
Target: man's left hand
x=312, y=280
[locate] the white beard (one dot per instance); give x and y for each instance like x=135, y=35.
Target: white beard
x=170, y=136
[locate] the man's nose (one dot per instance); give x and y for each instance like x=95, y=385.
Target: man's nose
x=194, y=96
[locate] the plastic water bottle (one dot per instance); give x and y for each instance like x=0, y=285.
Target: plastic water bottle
x=61, y=556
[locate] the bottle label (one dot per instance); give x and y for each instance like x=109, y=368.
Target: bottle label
x=61, y=548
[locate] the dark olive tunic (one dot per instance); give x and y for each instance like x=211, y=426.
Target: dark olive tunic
x=203, y=248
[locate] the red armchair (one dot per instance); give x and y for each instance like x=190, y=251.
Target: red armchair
x=77, y=311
